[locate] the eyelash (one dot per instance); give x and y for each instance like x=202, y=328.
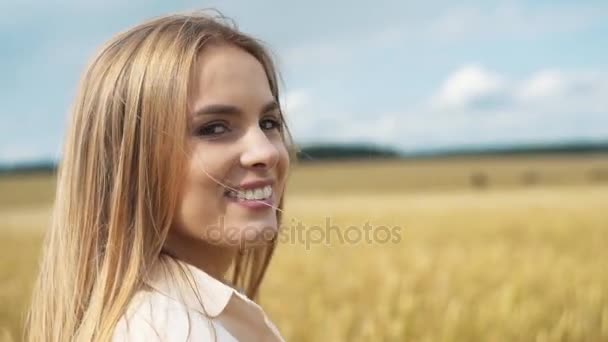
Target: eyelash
x=203, y=131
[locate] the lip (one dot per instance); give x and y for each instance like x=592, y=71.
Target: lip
x=256, y=184
x=249, y=185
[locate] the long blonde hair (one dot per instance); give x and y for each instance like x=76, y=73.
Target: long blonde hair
x=118, y=180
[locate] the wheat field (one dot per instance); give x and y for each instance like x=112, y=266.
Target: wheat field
x=512, y=260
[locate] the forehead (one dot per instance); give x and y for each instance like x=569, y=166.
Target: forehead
x=229, y=75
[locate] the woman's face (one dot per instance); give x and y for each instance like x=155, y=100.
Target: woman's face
x=234, y=138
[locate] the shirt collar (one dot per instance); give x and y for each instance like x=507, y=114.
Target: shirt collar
x=191, y=286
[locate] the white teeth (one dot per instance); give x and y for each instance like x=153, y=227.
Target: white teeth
x=259, y=193
x=252, y=194
x=249, y=194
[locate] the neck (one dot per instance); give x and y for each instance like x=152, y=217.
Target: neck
x=214, y=260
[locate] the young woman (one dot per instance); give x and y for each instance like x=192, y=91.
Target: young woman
x=169, y=193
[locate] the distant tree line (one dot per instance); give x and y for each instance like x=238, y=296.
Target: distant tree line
x=326, y=152
x=341, y=152
x=530, y=149
x=36, y=167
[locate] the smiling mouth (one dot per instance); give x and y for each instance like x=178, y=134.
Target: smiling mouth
x=256, y=194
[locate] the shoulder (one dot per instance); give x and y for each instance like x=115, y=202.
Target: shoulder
x=152, y=316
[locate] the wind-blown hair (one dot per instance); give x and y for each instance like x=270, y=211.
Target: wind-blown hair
x=119, y=177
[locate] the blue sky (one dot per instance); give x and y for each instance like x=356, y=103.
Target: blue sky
x=413, y=75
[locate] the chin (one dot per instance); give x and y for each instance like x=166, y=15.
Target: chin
x=258, y=233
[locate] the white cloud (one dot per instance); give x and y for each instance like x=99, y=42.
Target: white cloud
x=468, y=85
x=547, y=105
x=543, y=84
x=561, y=91
x=295, y=100
x=549, y=89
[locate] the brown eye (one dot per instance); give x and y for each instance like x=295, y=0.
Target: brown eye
x=268, y=124
x=212, y=129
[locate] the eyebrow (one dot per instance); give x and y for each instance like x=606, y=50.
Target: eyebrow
x=224, y=109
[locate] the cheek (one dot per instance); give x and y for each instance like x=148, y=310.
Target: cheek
x=197, y=209
x=201, y=200
x=283, y=163
x=209, y=165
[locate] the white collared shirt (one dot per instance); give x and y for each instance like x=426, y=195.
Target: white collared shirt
x=192, y=308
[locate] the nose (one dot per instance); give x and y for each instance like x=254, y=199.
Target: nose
x=259, y=151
